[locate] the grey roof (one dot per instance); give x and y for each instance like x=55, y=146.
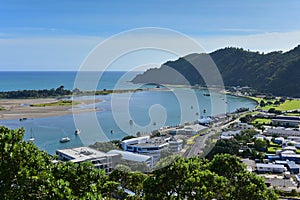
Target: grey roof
x=131, y=156
x=292, y=165
x=80, y=154
x=269, y=165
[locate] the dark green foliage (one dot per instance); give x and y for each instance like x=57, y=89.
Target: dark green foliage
x=275, y=72
x=127, y=137
x=260, y=145
x=222, y=178
x=60, y=91
x=247, y=119
x=262, y=103
x=135, y=166
x=27, y=173
x=231, y=146
x=106, y=146
x=273, y=110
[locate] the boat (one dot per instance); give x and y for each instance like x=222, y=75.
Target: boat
x=77, y=131
x=206, y=95
x=131, y=122
x=64, y=140
x=31, y=139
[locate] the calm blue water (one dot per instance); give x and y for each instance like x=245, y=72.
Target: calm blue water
x=46, y=80
x=148, y=110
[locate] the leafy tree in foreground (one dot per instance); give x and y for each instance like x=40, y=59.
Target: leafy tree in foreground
x=225, y=177
x=27, y=173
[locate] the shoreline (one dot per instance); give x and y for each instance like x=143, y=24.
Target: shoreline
x=21, y=109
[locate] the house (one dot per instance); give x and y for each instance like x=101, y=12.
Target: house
x=289, y=121
x=126, y=155
x=282, y=132
x=99, y=159
x=259, y=137
x=229, y=134
x=291, y=156
x=273, y=168
x=289, y=148
x=243, y=126
x=279, y=140
x=294, y=138
x=290, y=165
x=265, y=115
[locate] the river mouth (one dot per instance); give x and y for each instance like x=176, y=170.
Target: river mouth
x=48, y=130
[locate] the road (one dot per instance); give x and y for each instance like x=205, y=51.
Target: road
x=199, y=142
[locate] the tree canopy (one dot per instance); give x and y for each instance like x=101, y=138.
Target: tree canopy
x=28, y=173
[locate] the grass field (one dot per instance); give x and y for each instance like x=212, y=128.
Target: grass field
x=272, y=144
x=261, y=121
x=292, y=114
x=273, y=149
x=57, y=103
x=287, y=105
x=293, y=104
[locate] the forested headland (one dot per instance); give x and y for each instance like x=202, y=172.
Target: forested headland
x=275, y=72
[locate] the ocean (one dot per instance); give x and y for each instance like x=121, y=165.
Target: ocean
x=119, y=115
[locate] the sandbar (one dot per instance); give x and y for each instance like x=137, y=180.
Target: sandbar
x=21, y=109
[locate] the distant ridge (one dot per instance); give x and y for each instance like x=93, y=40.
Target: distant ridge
x=277, y=73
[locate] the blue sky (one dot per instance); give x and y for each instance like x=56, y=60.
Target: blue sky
x=59, y=34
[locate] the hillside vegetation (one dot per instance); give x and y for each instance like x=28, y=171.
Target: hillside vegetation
x=276, y=72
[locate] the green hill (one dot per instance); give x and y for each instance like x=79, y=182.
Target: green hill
x=276, y=72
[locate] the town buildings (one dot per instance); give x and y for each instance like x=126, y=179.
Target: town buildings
x=99, y=159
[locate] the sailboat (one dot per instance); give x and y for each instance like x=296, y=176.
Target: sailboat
x=31, y=139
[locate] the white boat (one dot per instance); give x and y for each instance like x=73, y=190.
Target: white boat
x=77, y=131
x=31, y=139
x=65, y=139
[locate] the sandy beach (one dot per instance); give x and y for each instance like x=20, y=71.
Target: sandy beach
x=20, y=108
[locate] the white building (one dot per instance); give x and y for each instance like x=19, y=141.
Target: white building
x=100, y=159
x=273, y=168
x=126, y=155
x=146, y=146
x=175, y=145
